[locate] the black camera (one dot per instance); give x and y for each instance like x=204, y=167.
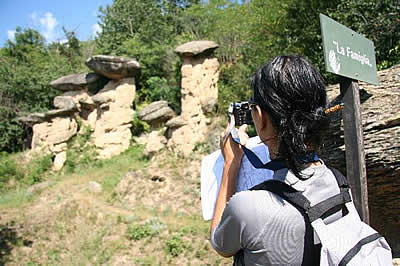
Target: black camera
x=242, y=113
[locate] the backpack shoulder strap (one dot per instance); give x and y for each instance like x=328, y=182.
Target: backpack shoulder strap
x=311, y=252
x=340, y=178
x=285, y=191
x=334, y=203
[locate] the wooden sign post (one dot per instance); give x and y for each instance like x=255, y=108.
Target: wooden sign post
x=351, y=56
x=354, y=142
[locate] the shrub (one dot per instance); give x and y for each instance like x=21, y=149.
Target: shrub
x=80, y=152
x=175, y=245
x=8, y=170
x=149, y=229
x=233, y=86
x=202, y=147
x=158, y=89
x=30, y=174
x=138, y=126
x=38, y=167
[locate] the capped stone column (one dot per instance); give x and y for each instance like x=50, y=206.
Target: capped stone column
x=114, y=114
x=199, y=94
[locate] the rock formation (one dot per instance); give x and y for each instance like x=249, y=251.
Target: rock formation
x=90, y=81
x=380, y=111
x=93, y=101
x=156, y=113
x=113, y=67
x=199, y=94
x=114, y=113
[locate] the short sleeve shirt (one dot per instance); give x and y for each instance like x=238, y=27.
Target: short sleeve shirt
x=268, y=229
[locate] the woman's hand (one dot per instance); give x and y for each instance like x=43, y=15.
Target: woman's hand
x=231, y=151
x=233, y=154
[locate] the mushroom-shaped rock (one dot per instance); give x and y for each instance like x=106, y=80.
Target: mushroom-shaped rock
x=113, y=67
x=64, y=102
x=173, y=124
x=196, y=47
x=156, y=113
x=76, y=82
x=176, y=122
x=35, y=118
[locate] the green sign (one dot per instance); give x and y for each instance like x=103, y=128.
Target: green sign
x=346, y=52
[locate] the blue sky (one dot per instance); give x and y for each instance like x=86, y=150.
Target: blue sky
x=48, y=17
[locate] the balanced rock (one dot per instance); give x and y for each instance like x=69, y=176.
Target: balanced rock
x=176, y=122
x=113, y=67
x=64, y=102
x=196, y=47
x=173, y=124
x=76, y=82
x=156, y=113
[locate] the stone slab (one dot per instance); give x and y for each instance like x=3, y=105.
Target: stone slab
x=113, y=67
x=195, y=48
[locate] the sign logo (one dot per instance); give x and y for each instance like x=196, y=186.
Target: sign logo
x=334, y=62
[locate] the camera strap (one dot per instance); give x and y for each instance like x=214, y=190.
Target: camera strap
x=273, y=165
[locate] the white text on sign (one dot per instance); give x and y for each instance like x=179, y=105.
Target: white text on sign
x=362, y=59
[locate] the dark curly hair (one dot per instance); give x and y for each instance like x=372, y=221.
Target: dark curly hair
x=292, y=92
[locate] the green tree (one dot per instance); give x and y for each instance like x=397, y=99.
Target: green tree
x=26, y=42
x=72, y=48
x=379, y=21
x=126, y=19
x=146, y=30
x=301, y=28
x=26, y=69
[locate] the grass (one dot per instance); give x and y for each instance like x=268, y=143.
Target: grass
x=140, y=231
x=14, y=172
x=69, y=225
x=15, y=198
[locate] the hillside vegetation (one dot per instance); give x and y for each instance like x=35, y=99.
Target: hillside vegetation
x=147, y=213
x=131, y=209
x=248, y=32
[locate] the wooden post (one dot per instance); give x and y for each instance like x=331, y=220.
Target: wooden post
x=354, y=142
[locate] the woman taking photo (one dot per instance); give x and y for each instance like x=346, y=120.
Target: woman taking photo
x=288, y=109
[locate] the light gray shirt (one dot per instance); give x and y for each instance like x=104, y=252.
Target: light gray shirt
x=268, y=228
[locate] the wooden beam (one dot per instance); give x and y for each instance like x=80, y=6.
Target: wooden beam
x=354, y=142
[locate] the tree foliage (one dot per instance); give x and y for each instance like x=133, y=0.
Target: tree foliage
x=249, y=33
x=27, y=67
x=379, y=21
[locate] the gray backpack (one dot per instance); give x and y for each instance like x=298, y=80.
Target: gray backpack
x=346, y=241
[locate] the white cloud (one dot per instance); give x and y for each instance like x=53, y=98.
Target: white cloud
x=48, y=22
x=96, y=29
x=34, y=18
x=11, y=35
